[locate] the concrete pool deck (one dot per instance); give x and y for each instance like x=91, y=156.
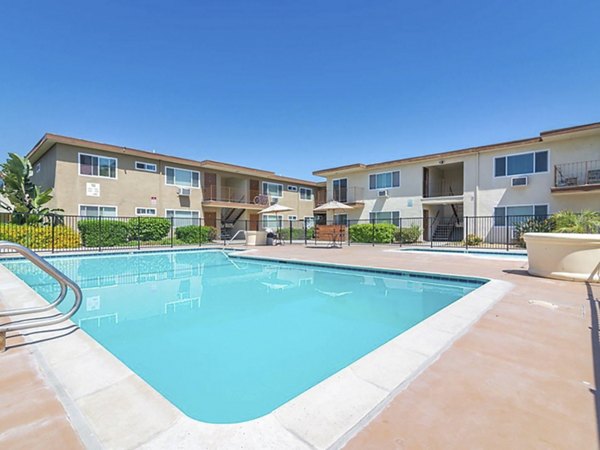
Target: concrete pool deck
x=519, y=378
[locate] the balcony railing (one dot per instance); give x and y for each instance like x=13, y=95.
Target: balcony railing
x=348, y=195
x=577, y=174
x=229, y=194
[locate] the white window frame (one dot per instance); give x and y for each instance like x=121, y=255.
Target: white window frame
x=199, y=218
x=87, y=205
x=145, y=166
x=391, y=217
x=309, y=217
x=178, y=185
x=266, y=192
x=519, y=154
x=381, y=173
x=79, y=154
x=292, y=188
x=533, y=205
x=278, y=219
x=146, y=208
x=312, y=194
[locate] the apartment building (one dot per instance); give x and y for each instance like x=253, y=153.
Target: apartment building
x=95, y=179
x=557, y=170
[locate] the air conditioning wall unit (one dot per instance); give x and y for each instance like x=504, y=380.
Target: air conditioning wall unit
x=382, y=193
x=519, y=181
x=184, y=192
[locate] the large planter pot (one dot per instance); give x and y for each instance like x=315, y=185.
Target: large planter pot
x=564, y=256
x=256, y=238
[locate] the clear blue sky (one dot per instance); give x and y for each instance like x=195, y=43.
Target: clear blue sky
x=295, y=86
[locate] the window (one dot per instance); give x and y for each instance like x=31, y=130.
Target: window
x=182, y=177
x=272, y=221
x=340, y=219
x=522, y=164
x=181, y=218
x=513, y=215
x=97, y=166
x=97, y=211
x=309, y=221
x=306, y=194
x=148, y=167
x=292, y=188
x=145, y=211
x=340, y=190
x=272, y=189
x=384, y=180
x=385, y=217
x=292, y=218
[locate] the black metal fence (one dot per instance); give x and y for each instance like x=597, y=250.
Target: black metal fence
x=71, y=233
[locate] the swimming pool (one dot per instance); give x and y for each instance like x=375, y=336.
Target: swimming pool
x=476, y=253
x=229, y=339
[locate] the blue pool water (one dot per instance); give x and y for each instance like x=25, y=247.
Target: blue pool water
x=480, y=253
x=228, y=339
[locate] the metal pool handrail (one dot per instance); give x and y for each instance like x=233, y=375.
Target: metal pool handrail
x=64, y=282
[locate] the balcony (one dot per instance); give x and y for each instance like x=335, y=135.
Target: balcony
x=230, y=197
x=580, y=176
x=350, y=196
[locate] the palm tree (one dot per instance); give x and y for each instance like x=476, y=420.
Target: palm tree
x=26, y=199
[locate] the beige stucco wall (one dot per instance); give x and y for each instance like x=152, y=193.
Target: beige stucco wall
x=482, y=192
x=135, y=188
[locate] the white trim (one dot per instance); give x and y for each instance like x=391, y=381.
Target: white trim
x=146, y=207
x=180, y=186
x=312, y=194
x=518, y=154
x=182, y=210
x=381, y=173
x=98, y=206
x=97, y=176
x=268, y=193
x=547, y=205
x=146, y=163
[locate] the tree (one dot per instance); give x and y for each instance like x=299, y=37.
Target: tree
x=26, y=199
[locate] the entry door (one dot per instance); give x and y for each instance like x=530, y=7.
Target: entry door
x=210, y=186
x=425, y=182
x=254, y=190
x=210, y=219
x=425, y=224
x=253, y=222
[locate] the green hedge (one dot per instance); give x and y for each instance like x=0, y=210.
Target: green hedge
x=195, y=234
x=408, y=235
x=103, y=233
x=297, y=233
x=379, y=233
x=39, y=236
x=150, y=228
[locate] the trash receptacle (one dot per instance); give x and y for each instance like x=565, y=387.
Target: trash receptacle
x=270, y=237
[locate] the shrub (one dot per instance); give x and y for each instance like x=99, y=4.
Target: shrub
x=297, y=233
x=533, y=226
x=196, y=234
x=379, y=233
x=473, y=240
x=39, y=236
x=584, y=222
x=103, y=232
x=408, y=235
x=150, y=228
